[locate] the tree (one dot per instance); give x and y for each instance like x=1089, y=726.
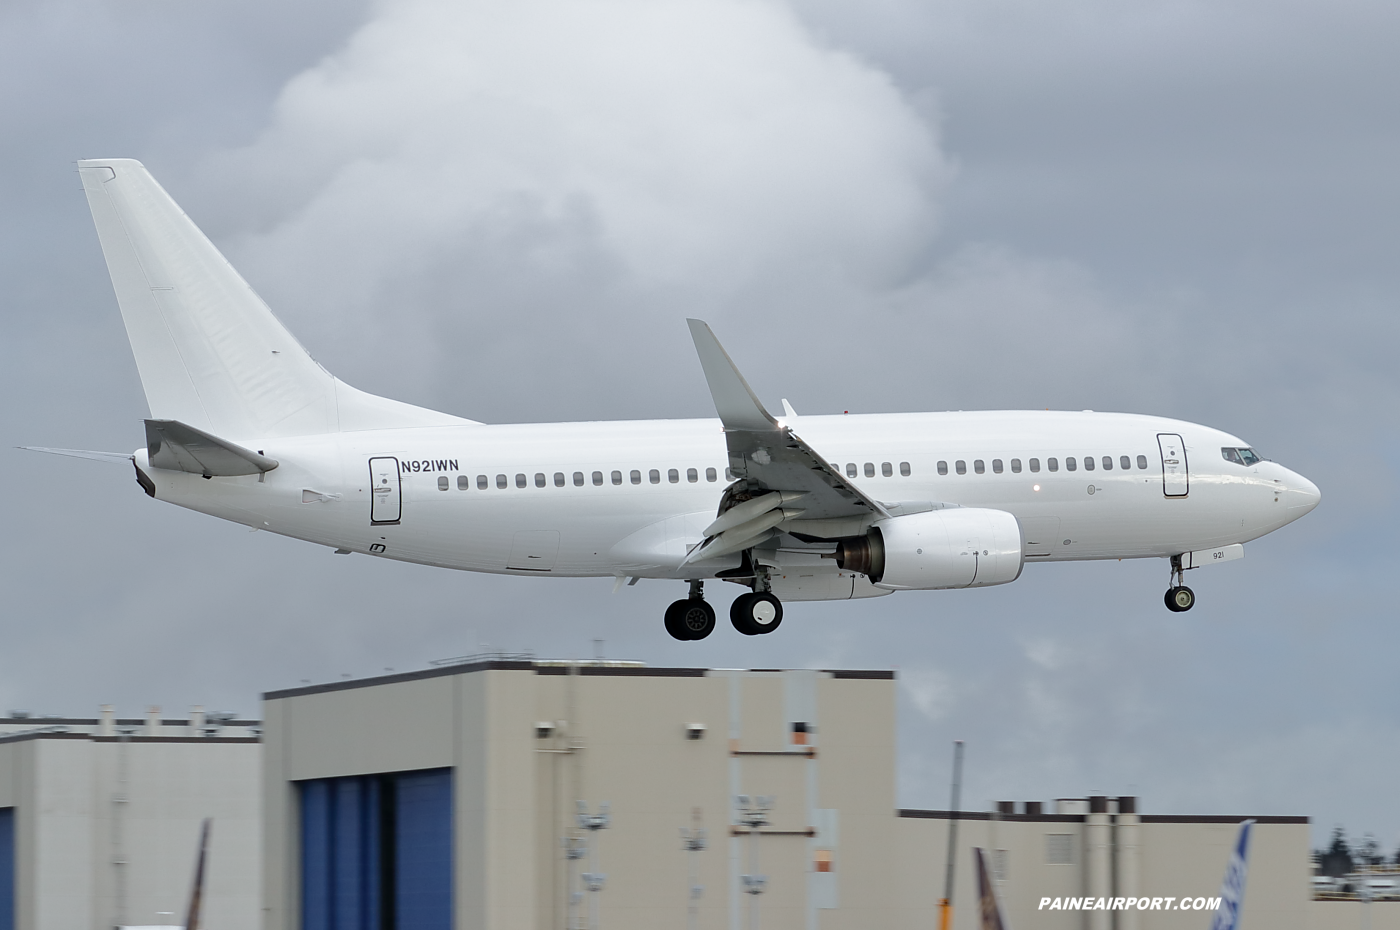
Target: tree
x=1337, y=860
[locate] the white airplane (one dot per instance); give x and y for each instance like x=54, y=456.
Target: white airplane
x=246, y=426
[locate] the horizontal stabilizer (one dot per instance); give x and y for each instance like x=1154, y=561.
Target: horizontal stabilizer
x=179, y=447
x=736, y=403
x=82, y=454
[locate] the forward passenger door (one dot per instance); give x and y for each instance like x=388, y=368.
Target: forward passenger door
x=1176, y=480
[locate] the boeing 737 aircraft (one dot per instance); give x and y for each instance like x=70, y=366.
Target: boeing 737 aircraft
x=246, y=426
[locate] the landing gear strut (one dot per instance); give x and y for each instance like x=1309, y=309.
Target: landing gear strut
x=1179, y=598
x=692, y=618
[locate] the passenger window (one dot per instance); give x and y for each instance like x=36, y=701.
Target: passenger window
x=1035, y=465
x=673, y=476
x=1088, y=463
x=442, y=482
x=1108, y=463
x=539, y=479
x=711, y=475
x=979, y=466
x=996, y=466
x=904, y=469
x=636, y=476
x=481, y=482
x=501, y=481
x=942, y=467
x=886, y=469
x=578, y=479
x=654, y=476
x=1124, y=462
x=597, y=479
x=1142, y=461
x=692, y=475
x=1052, y=464
x=960, y=466
x=850, y=469
x=1015, y=466
x=558, y=479
x=870, y=469
x=617, y=477
x=519, y=480
x=462, y=483
x=1070, y=463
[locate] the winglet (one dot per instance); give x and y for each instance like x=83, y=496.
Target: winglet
x=735, y=402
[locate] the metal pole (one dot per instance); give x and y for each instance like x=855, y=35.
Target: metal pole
x=945, y=907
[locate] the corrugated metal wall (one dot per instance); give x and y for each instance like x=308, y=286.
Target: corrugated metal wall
x=376, y=852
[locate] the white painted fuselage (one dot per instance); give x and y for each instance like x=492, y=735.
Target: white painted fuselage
x=631, y=497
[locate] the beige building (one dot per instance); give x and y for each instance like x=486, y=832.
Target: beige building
x=450, y=798
x=100, y=820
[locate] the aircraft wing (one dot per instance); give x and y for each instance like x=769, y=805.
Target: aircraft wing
x=770, y=456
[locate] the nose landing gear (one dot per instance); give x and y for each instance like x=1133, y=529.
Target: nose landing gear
x=1179, y=598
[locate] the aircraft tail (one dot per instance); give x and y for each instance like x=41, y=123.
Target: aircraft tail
x=210, y=352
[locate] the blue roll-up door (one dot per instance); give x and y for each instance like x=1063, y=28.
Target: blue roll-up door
x=423, y=850
x=7, y=868
x=376, y=852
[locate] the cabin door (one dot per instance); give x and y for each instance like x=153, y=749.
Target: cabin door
x=1176, y=481
x=386, y=491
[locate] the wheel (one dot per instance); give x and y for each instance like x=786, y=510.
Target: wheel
x=756, y=614
x=1181, y=599
x=692, y=618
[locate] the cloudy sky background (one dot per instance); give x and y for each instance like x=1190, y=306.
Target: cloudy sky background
x=1180, y=208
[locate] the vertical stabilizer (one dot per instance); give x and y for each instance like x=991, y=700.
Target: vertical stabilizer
x=210, y=352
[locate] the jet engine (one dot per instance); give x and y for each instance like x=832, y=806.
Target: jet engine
x=960, y=547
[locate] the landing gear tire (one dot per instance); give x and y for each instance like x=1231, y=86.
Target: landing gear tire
x=1180, y=598
x=756, y=614
x=692, y=618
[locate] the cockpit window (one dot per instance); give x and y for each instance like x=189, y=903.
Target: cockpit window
x=1241, y=456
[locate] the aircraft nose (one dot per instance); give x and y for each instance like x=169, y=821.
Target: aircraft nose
x=1302, y=495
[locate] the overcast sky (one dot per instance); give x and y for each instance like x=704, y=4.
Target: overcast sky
x=506, y=212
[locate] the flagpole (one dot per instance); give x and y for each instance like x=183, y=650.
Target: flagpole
x=945, y=907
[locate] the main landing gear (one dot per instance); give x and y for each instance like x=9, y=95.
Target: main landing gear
x=1179, y=598
x=753, y=614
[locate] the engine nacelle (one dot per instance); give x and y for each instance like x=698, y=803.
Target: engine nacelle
x=960, y=547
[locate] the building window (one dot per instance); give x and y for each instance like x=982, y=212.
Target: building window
x=654, y=476
x=636, y=476
x=376, y=851
x=519, y=480
x=960, y=466
x=578, y=479
x=1059, y=848
x=711, y=475
x=617, y=477
x=886, y=469
x=442, y=483
x=463, y=483
x=558, y=479
x=904, y=469
x=942, y=467
x=539, y=479
x=979, y=466
x=1142, y=461
x=692, y=475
